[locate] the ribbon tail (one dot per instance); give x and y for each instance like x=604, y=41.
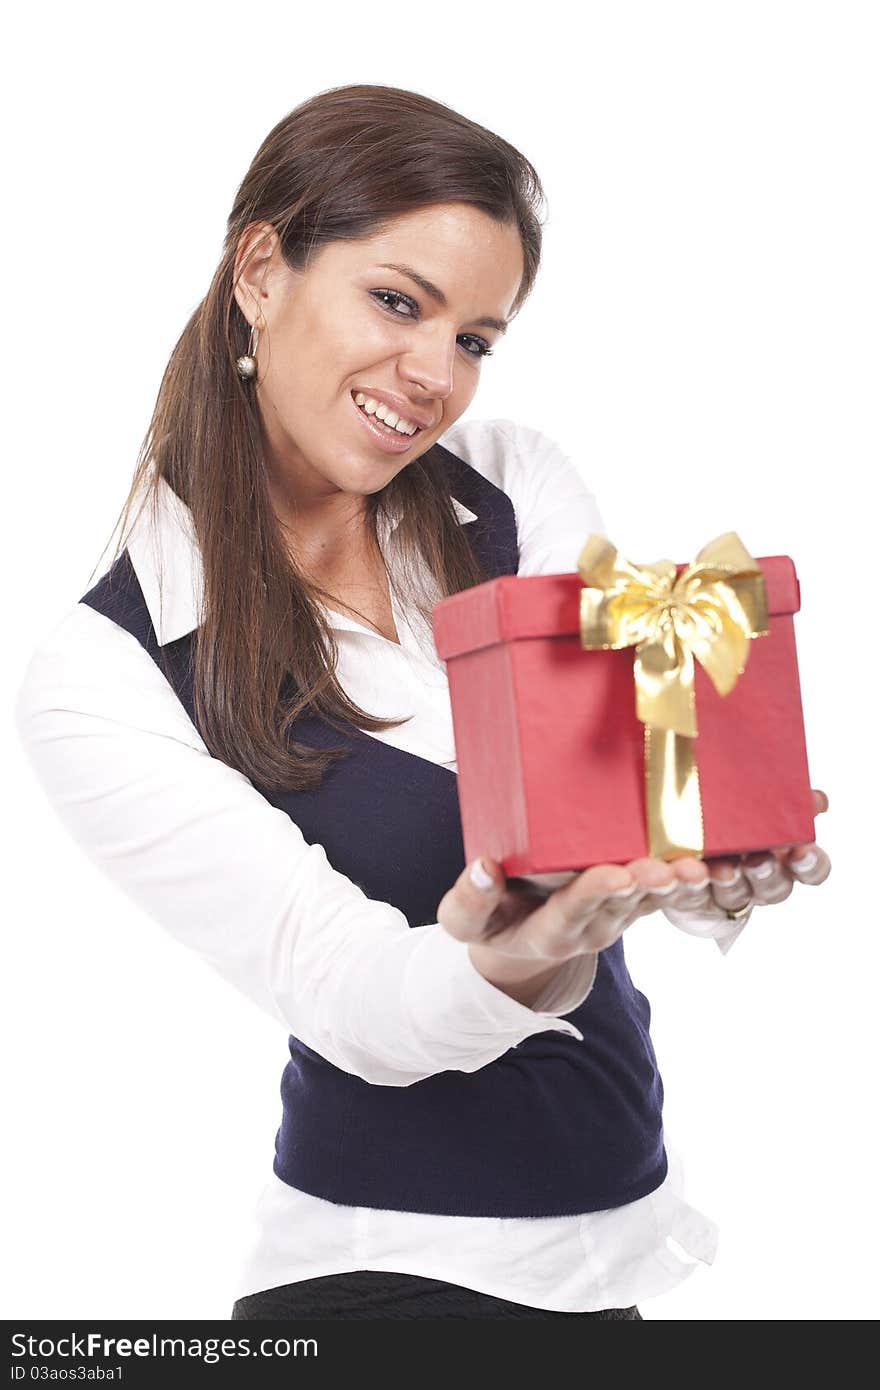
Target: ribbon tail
x=674, y=809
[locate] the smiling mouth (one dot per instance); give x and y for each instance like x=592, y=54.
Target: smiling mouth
x=376, y=419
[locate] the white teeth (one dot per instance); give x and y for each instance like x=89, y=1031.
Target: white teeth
x=384, y=413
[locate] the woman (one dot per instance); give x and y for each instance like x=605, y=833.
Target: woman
x=245, y=725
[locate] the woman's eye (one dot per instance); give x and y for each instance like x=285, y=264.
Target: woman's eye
x=479, y=349
x=482, y=349
x=383, y=295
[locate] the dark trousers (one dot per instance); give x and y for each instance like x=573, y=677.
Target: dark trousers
x=366, y=1293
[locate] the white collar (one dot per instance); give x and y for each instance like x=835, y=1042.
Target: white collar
x=167, y=560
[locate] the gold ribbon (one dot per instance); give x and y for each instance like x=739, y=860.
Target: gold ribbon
x=710, y=611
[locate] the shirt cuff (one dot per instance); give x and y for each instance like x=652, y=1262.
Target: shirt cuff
x=458, y=1007
x=570, y=987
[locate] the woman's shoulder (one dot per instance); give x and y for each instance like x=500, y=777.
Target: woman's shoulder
x=554, y=502
x=527, y=463
x=515, y=456
x=76, y=637
x=502, y=449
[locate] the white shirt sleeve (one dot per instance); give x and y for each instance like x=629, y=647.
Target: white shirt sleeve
x=556, y=511
x=192, y=842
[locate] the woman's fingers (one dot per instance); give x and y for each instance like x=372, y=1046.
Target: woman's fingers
x=593, y=886
x=592, y=911
x=589, y=913
x=468, y=905
x=773, y=876
x=585, y=915
x=731, y=889
x=768, y=876
x=770, y=881
x=809, y=864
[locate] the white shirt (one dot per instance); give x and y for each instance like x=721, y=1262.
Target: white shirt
x=233, y=879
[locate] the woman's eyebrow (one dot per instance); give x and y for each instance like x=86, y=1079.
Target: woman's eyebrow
x=436, y=293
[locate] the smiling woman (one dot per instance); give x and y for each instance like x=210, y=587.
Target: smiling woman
x=244, y=723
x=328, y=334
x=379, y=244
x=353, y=387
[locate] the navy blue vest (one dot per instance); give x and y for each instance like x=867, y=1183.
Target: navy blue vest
x=555, y=1126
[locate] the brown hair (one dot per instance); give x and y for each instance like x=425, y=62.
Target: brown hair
x=335, y=168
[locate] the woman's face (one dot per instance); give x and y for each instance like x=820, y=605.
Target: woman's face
x=351, y=324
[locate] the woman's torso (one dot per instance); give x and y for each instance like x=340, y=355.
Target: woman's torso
x=557, y=1262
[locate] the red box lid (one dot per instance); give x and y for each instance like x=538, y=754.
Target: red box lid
x=548, y=605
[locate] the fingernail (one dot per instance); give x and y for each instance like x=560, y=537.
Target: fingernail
x=626, y=892
x=732, y=874
x=479, y=876
x=666, y=888
x=806, y=862
x=762, y=870
x=694, y=886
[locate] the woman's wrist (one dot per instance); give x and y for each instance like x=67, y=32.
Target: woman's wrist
x=520, y=979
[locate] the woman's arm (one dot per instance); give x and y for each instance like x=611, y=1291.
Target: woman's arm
x=193, y=843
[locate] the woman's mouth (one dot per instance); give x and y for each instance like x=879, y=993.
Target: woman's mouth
x=387, y=438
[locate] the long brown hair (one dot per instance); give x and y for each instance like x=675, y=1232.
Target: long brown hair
x=335, y=168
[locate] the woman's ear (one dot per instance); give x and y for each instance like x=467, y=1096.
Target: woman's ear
x=258, y=248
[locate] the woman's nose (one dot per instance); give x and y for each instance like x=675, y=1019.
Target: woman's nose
x=432, y=369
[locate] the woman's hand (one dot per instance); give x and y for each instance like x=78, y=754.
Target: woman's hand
x=519, y=938
x=726, y=884
x=585, y=916
x=595, y=908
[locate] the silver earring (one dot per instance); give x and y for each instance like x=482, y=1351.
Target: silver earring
x=247, y=366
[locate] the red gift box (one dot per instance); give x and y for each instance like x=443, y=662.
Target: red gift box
x=551, y=753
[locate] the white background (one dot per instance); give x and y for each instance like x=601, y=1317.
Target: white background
x=703, y=340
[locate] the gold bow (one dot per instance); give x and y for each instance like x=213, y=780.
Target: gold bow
x=710, y=611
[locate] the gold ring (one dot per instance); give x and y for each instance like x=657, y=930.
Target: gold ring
x=736, y=914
